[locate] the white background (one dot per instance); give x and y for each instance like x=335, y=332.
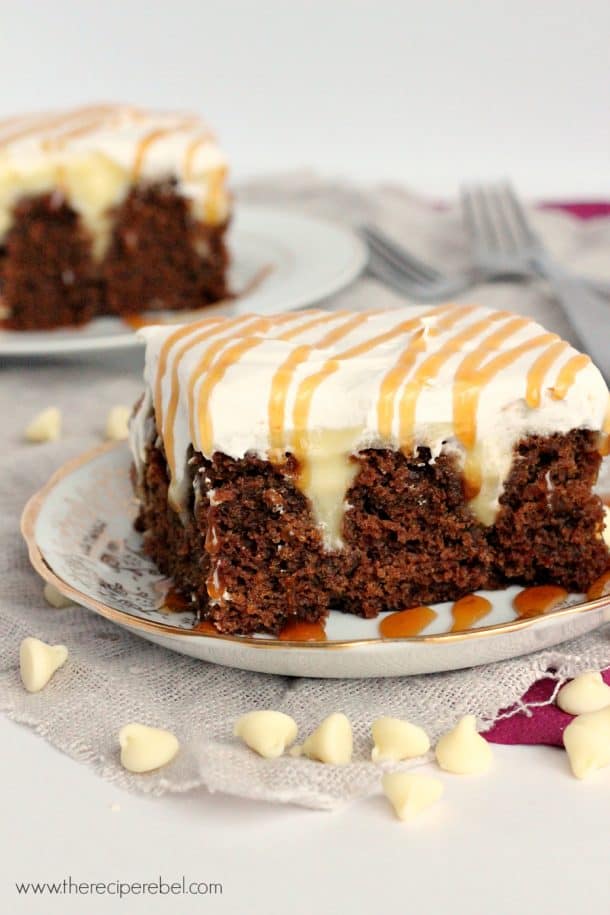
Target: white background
x=527, y=839
x=428, y=93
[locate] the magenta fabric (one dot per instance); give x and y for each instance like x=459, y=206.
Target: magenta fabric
x=542, y=725
x=583, y=210
x=547, y=724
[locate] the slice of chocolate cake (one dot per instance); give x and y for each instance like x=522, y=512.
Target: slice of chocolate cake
x=109, y=210
x=290, y=465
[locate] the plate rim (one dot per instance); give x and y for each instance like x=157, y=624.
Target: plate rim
x=36, y=502
x=72, y=346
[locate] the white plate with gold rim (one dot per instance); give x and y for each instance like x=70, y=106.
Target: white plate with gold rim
x=79, y=531
x=284, y=259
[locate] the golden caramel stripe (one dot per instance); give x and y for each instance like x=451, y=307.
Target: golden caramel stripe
x=338, y=333
x=46, y=123
x=321, y=318
x=259, y=325
x=394, y=379
x=503, y=360
x=567, y=375
x=174, y=397
x=167, y=425
x=184, y=331
x=22, y=119
x=472, y=360
x=191, y=150
x=308, y=386
x=286, y=316
x=302, y=405
x=466, y=378
x=466, y=399
x=495, y=340
x=279, y=390
x=282, y=379
x=455, y=314
x=538, y=372
x=59, y=139
x=230, y=357
x=153, y=137
x=191, y=332
x=391, y=385
x=430, y=368
x=202, y=366
x=404, y=327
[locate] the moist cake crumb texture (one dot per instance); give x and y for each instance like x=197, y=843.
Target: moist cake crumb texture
x=458, y=448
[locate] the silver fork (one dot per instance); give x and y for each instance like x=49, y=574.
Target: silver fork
x=407, y=274
x=504, y=243
x=394, y=265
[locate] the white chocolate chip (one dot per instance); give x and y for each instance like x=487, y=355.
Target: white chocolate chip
x=462, y=750
x=38, y=662
x=586, y=693
x=144, y=749
x=410, y=793
x=117, y=423
x=331, y=742
x=55, y=598
x=45, y=427
x=267, y=732
x=397, y=739
x=587, y=740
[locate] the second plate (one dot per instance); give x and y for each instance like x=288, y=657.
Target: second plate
x=284, y=259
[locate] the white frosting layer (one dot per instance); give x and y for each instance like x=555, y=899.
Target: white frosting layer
x=347, y=400
x=93, y=155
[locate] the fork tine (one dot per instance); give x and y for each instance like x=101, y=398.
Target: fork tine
x=518, y=213
x=382, y=270
x=479, y=223
x=400, y=259
x=400, y=268
x=497, y=216
x=399, y=256
x=468, y=212
x=503, y=218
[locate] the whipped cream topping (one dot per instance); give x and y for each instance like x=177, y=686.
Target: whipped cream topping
x=94, y=155
x=463, y=379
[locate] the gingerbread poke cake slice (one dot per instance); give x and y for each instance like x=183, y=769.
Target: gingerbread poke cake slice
x=109, y=209
x=290, y=465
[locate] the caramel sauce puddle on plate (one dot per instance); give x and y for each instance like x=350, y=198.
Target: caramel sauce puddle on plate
x=538, y=600
x=469, y=610
x=406, y=623
x=174, y=602
x=303, y=632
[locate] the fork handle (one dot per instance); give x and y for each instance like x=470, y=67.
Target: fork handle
x=587, y=312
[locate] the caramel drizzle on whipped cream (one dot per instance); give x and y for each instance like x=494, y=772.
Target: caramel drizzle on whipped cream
x=55, y=131
x=282, y=380
x=46, y=126
x=227, y=341
x=310, y=385
x=538, y=371
x=567, y=375
x=153, y=137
